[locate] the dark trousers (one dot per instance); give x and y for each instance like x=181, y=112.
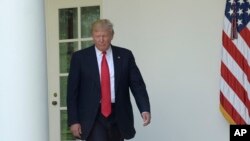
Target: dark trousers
x=105, y=129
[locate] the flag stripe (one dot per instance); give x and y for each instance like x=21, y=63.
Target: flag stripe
x=245, y=33
x=234, y=52
x=230, y=110
x=234, y=84
x=234, y=100
x=229, y=62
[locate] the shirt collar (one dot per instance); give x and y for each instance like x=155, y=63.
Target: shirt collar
x=99, y=53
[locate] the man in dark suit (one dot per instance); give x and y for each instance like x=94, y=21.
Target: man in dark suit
x=98, y=100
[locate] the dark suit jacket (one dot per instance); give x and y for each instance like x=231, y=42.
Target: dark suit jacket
x=83, y=97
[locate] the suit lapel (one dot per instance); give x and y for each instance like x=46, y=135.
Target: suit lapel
x=117, y=66
x=94, y=67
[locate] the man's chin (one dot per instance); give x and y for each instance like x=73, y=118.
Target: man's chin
x=102, y=48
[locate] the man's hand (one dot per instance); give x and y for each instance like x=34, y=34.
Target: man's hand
x=146, y=116
x=76, y=130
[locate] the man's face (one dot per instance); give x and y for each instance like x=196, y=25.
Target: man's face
x=102, y=39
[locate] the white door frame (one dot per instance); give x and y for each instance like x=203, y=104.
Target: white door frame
x=52, y=42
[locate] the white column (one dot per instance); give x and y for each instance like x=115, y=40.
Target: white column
x=23, y=78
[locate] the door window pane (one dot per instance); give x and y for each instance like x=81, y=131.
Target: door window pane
x=68, y=23
x=65, y=133
x=88, y=16
x=63, y=90
x=66, y=50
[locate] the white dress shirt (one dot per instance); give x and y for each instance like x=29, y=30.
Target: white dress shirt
x=109, y=57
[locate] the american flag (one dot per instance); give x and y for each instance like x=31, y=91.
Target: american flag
x=235, y=63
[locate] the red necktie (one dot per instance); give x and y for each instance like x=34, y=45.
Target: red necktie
x=105, y=87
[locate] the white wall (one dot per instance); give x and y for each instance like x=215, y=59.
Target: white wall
x=177, y=47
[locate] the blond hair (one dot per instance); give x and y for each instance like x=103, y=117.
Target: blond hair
x=102, y=24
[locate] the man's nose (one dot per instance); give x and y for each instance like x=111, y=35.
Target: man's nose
x=101, y=38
